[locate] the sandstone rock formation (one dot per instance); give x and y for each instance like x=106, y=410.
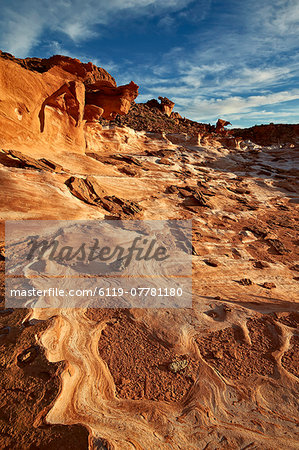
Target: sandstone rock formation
x=175, y=115
x=269, y=134
x=113, y=100
x=165, y=105
x=221, y=124
x=220, y=375
x=149, y=117
x=51, y=105
x=142, y=117
x=86, y=72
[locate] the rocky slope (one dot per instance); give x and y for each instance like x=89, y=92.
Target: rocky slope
x=220, y=375
x=149, y=117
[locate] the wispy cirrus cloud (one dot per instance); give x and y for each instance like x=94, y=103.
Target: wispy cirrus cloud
x=246, y=61
x=235, y=105
x=23, y=24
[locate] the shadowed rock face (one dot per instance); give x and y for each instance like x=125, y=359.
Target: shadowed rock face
x=166, y=105
x=270, y=134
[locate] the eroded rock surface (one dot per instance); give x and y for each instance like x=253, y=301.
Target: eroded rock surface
x=221, y=124
x=113, y=100
x=49, y=104
x=165, y=105
x=88, y=73
x=220, y=375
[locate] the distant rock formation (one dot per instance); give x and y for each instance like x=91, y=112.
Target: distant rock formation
x=165, y=105
x=50, y=102
x=175, y=115
x=269, y=134
x=220, y=125
x=144, y=117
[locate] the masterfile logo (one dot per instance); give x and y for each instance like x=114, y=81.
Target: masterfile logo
x=98, y=263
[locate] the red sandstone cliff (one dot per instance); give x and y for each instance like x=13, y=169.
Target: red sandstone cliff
x=49, y=103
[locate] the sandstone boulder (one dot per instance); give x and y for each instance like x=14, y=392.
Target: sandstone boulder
x=175, y=115
x=165, y=105
x=220, y=125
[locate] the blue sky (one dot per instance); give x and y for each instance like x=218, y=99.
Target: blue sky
x=233, y=59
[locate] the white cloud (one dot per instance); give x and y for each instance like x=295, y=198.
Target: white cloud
x=266, y=114
x=200, y=109
x=78, y=31
x=243, y=62
x=283, y=16
x=248, y=60
x=19, y=31
x=22, y=23
x=167, y=22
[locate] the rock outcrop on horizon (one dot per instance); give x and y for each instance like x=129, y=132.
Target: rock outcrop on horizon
x=165, y=106
x=86, y=72
x=142, y=117
x=269, y=134
x=220, y=375
x=220, y=125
